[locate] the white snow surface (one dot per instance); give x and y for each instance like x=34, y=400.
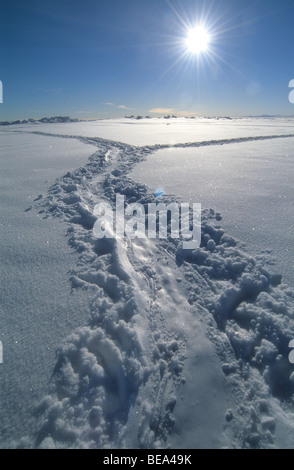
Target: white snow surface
x=160, y=131
x=37, y=310
x=250, y=184
x=156, y=346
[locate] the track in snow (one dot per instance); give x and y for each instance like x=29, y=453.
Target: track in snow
x=119, y=379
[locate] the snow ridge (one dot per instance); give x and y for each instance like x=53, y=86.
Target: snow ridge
x=117, y=381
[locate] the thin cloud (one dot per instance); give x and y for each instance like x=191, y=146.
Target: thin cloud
x=162, y=110
x=122, y=106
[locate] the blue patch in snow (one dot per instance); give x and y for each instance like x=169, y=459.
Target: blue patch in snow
x=159, y=192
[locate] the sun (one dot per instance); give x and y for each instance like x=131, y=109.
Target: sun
x=198, y=40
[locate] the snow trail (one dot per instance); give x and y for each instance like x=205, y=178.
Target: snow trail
x=201, y=143
x=161, y=315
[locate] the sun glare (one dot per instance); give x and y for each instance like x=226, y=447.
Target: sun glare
x=198, y=40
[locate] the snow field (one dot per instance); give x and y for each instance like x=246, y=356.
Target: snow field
x=37, y=308
x=142, y=320
x=159, y=131
x=181, y=348
x=249, y=183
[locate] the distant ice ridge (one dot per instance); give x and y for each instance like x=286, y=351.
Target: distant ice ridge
x=118, y=380
x=55, y=119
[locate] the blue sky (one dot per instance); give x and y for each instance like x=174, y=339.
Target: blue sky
x=110, y=58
